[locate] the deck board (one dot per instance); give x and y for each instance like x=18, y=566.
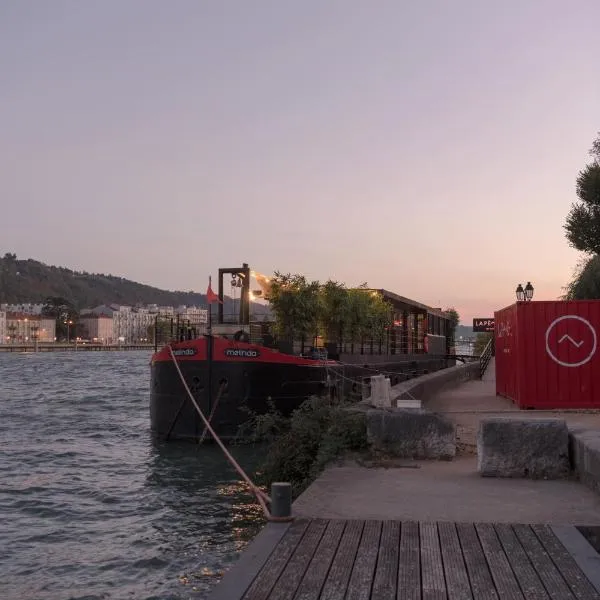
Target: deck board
x=409, y=567
x=455, y=570
x=361, y=579
x=323, y=559
x=385, y=582
x=500, y=569
x=338, y=578
x=432, y=569
x=551, y=578
x=314, y=578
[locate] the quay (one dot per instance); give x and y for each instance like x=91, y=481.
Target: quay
x=58, y=347
x=432, y=529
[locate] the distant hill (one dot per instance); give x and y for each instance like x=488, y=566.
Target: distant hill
x=32, y=281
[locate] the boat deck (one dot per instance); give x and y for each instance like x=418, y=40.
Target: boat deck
x=407, y=560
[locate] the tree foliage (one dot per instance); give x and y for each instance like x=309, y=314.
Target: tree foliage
x=481, y=341
x=454, y=320
x=583, y=221
x=586, y=281
x=304, y=309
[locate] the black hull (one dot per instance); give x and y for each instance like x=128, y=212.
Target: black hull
x=253, y=387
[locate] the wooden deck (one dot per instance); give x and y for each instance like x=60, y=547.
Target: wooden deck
x=362, y=560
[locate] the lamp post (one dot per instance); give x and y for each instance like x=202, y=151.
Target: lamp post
x=68, y=324
x=524, y=294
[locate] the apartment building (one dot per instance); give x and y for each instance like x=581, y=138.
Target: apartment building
x=98, y=328
x=3, y=333
x=23, y=328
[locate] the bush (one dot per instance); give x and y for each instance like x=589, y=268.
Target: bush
x=301, y=446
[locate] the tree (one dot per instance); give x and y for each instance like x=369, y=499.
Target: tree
x=304, y=309
x=64, y=313
x=454, y=320
x=295, y=302
x=583, y=221
x=481, y=341
x=586, y=281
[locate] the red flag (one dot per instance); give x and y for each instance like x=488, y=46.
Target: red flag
x=210, y=295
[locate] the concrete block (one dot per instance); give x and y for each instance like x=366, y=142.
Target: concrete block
x=587, y=458
x=534, y=448
x=411, y=433
x=380, y=391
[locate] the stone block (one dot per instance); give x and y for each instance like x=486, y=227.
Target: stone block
x=411, y=433
x=585, y=456
x=533, y=448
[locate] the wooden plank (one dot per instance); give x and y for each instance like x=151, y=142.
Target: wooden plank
x=314, y=578
x=455, y=570
x=361, y=579
x=267, y=577
x=528, y=579
x=386, y=575
x=409, y=562
x=339, y=574
x=502, y=573
x=482, y=584
x=432, y=569
x=578, y=583
x=292, y=575
x=550, y=576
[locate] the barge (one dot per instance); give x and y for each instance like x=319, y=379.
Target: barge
x=238, y=369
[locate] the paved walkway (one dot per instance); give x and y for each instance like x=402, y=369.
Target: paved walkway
x=445, y=491
x=467, y=404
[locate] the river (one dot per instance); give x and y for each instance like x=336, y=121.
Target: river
x=91, y=506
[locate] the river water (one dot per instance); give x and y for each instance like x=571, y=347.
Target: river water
x=91, y=507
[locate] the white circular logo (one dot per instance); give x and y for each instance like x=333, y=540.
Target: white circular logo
x=581, y=341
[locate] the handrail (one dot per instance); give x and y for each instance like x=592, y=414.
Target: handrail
x=486, y=356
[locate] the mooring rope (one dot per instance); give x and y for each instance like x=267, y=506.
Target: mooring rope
x=261, y=497
x=212, y=412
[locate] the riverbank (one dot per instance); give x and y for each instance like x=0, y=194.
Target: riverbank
x=424, y=524
x=73, y=347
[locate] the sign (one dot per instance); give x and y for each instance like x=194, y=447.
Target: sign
x=242, y=353
x=571, y=341
x=483, y=325
x=185, y=352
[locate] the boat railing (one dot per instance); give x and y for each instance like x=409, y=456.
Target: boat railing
x=174, y=328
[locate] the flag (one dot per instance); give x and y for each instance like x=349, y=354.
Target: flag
x=210, y=295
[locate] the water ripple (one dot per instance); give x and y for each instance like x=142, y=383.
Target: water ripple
x=91, y=507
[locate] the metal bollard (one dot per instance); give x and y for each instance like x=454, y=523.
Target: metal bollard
x=281, y=499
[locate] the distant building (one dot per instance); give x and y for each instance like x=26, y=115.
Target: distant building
x=26, y=308
x=3, y=333
x=24, y=328
x=98, y=328
x=193, y=314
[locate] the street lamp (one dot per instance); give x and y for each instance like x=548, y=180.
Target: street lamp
x=68, y=324
x=524, y=294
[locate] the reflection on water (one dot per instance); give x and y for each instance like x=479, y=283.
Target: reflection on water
x=90, y=505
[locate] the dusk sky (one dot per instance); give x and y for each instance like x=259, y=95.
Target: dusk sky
x=427, y=147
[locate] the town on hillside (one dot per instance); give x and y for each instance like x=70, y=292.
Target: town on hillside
x=104, y=324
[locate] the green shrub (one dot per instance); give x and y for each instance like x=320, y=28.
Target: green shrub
x=316, y=433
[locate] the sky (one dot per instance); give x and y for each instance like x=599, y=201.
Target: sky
x=430, y=148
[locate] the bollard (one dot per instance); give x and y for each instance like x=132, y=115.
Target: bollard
x=281, y=499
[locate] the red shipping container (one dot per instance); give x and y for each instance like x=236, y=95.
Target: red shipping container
x=547, y=354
